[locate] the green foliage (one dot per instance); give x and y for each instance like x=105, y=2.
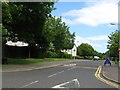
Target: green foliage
x=57, y=33
x=113, y=44
x=79, y=57
x=51, y=54
x=6, y=15
x=65, y=55
x=24, y=21
x=27, y=22
x=85, y=50
x=32, y=22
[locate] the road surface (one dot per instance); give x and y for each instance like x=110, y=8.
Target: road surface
x=79, y=74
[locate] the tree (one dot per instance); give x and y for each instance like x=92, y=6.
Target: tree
x=6, y=20
x=57, y=33
x=28, y=19
x=113, y=44
x=85, y=50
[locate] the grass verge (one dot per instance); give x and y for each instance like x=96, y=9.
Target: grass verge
x=14, y=61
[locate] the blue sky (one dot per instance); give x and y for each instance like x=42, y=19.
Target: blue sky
x=90, y=21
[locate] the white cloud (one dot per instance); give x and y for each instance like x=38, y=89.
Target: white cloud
x=68, y=21
x=87, y=0
x=97, y=38
x=91, y=40
x=96, y=14
x=99, y=46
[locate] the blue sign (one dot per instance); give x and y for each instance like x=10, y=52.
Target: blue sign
x=107, y=61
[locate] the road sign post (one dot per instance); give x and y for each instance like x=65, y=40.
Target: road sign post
x=119, y=56
x=74, y=54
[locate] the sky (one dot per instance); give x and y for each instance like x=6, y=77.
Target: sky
x=90, y=20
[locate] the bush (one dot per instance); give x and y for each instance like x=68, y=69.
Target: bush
x=65, y=55
x=51, y=54
x=79, y=57
x=88, y=57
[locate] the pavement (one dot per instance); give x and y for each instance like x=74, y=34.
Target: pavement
x=111, y=73
x=108, y=72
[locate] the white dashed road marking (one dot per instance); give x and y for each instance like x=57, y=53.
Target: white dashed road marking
x=70, y=65
x=29, y=84
x=55, y=74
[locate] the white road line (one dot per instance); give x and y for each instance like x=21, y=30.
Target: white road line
x=29, y=84
x=77, y=82
x=69, y=65
x=61, y=85
x=70, y=68
x=61, y=72
x=55, y=74
x=52, y=75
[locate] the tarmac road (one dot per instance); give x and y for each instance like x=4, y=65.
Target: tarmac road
x=80, y=74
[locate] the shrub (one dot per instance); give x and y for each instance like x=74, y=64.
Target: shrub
x=65, y=55
x=79, y=57
x=51, y=54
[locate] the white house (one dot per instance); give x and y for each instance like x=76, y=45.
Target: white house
x=72, y=51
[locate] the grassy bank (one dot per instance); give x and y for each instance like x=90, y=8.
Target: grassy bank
x=14, y=61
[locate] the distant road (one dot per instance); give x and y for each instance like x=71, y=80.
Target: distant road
x=80, y=74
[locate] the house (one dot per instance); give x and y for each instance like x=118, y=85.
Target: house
x=72, y=51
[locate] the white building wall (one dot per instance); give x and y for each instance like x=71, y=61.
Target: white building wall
x=72, y=51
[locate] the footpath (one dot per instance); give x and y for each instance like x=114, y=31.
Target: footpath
x=111, y=73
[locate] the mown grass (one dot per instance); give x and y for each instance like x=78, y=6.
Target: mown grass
x=14, y=61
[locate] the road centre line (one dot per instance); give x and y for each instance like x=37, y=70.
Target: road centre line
x=52, y=75
x=29, y=84
x=61, y=72
x=70, y=68
x=55, y=74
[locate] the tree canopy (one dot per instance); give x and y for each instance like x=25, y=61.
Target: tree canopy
x=32, y=22
x=86, y=50
x=113, y=43
x=57, y=32
x=27, y=20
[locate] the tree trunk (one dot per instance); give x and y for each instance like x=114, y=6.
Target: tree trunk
x=29, y=52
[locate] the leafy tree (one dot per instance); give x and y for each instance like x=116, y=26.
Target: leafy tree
x=85, y=50
x=6, y=20
x=57, y=33
x=28, y=19
x=113, y=44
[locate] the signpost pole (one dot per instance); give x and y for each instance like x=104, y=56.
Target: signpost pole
x=119, y=56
